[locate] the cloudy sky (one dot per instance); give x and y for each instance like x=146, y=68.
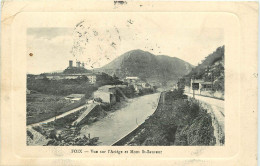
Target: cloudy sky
x=97, y=43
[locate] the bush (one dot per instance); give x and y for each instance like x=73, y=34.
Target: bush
x=98, y=100
x=177, y=122
x=145, y=91
x=174, y=95
x=129, y=91
x=106, y=106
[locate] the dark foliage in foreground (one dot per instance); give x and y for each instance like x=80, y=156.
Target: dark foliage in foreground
x=177, y=121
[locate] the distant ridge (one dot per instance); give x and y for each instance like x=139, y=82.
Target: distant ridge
x=160, y=69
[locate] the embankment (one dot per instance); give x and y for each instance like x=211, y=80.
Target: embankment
x=176, y=121
x=137, y=130
x=61, y=132
x=217, y=122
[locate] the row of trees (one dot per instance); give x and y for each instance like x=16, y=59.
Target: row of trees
x=105, y=79
x=69, y=86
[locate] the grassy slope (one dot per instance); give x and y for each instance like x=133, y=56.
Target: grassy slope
x=177, y=122
x=41, y=107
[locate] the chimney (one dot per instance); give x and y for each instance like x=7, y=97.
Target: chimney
x=83, y=64
x=70, y=63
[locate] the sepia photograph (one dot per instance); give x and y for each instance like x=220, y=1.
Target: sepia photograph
x=132, y=81
x=123, y=82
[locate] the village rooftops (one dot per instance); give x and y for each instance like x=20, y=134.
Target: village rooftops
x=107, y=87
x=132, y=78
x=197, y=81
x=206, y=83
x=200, y=81
x=74, y=74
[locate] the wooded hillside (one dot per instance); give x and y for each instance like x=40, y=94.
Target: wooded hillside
x=210, y=69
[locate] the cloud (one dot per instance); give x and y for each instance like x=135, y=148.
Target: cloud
x=98, y=42
x=50, y=53
x=48, y=33
x=65, y=40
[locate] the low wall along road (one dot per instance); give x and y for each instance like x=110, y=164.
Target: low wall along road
x=216, y=108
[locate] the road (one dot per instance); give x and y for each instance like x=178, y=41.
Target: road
x=59, y=116
x=216, y=108
x=85, y=113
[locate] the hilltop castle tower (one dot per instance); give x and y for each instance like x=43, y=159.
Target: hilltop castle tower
x=78, y=64
x=70, y=63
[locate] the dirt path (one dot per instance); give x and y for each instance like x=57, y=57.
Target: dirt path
x=59, y=116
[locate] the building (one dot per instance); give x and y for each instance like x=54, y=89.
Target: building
x=78, y=64
x=74, y=97
x=138, y=84
x=54, y=77
x=106, y=93
x=92, y=78
x=145, y=85
x=70, y=73
x=138, y=88
x=200, y=85
x=131, y=80
x=39, y=77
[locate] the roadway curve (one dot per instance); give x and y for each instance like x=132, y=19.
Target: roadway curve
x=216, y=108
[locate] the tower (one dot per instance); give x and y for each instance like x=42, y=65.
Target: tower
x=78, y=64
x=70, y=63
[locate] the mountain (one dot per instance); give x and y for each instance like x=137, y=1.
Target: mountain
x=160, y=69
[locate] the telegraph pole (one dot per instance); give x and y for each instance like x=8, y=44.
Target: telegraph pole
x=192, y=86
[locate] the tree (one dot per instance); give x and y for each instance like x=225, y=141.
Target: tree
x=181, y=84
x=116, y=80
x=45, y=79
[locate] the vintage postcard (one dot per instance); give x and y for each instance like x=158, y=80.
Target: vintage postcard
x=110, y=82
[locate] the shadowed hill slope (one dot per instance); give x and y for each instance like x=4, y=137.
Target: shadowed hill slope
x=159, y=69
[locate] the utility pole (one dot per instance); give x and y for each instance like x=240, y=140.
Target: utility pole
x=192, y=86
x=212, y=80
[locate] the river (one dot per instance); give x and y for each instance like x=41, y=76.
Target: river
x=119, y=123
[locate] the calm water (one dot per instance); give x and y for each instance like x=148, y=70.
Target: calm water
x=119, y=123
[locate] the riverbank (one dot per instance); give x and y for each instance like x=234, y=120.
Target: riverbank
x=176, y=122
x=61, y=132
x=122, y=121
